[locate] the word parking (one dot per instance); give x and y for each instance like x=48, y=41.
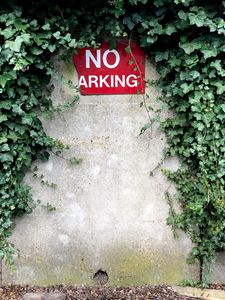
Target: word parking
x=116, y=71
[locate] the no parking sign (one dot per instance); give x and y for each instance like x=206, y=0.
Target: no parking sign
x=111, y=71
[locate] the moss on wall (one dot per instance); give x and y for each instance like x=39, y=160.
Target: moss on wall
x=137, y=267
x=124, y=266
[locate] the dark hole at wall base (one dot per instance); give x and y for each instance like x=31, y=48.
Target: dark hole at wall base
x=100, y=277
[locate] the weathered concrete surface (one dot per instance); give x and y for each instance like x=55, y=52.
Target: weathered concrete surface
x=111, y=215
x=207, y=294
x=218, y=273
x=44, y=296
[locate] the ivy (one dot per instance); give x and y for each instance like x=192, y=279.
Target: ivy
x=185, y=39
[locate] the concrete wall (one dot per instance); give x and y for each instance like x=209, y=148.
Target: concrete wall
x=111, y=215
x=218, y=269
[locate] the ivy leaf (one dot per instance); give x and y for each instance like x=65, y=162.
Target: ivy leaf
x=23, y=81
x=6, y=157
x=27, y=119
x=7, y=76
x=137, y=18
x=112, y=44
x=3, y=118
x=200, y=126
x=197, y=19
x=182, y=15
x=46, y=26
x=223, y=107
x=44, y=156
x=151, y=40
x=75, y=160
x=220, y=86
x=3, y=140
x=36, y=50
x=161, y=56
x=216, y=64
x=170, y=28
x=131, y=62
x=20, y=26
x=50, y=207
x=130, y=24
x=13, y=136
x=186, y=87
x=17, y=109
x=7, y=32
x=16, y=45
x=190, y=47
x=209, y=52
x=144, y=128
x=4, y=148
x=127, y=49
x=52, y=48
x=57, y=35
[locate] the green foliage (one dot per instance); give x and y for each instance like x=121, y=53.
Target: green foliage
x=26, y=47
x=75, y=160
x=186, y=40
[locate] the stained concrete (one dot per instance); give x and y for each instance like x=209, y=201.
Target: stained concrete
x=111, y=215
x=217, y=274
x=207, y=294
x=44, y=296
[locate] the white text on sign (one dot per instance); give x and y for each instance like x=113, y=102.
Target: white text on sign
x=106, y=71
x=106, y=81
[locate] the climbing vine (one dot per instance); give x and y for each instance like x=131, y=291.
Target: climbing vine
x=185, y=39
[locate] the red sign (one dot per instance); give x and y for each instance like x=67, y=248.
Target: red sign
x=117, y=71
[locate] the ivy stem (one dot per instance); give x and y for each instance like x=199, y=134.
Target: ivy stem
x=58, y=155
x=142, y=80
x=1, y=272
x=201, y=269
